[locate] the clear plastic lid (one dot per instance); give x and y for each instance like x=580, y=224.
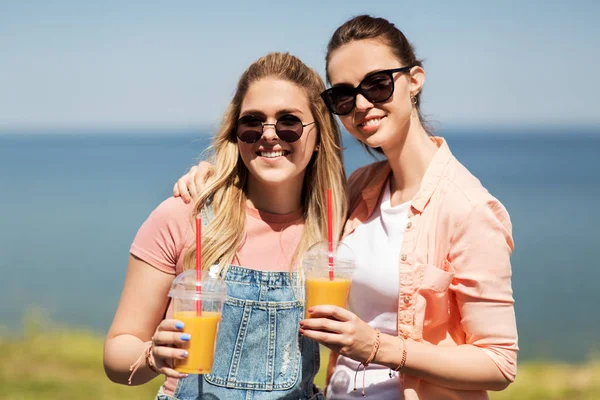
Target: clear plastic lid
x=317, y=256
x=211, y=288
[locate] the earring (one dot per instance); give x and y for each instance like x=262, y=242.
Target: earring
x=317, y=147
x=413, y=100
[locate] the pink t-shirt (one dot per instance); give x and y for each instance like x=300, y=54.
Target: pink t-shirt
x=269, y=244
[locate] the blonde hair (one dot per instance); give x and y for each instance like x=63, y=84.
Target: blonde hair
x=226, y=189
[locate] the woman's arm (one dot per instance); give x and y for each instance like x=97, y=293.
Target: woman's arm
x=141, y=309
x=463, y=367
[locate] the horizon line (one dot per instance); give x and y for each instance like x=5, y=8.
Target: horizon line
x=207, y=129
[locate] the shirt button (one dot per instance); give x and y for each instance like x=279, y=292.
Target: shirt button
x=403, y=257
x=409, y=225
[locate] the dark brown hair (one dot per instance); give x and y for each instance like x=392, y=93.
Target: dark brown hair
x=365, y=27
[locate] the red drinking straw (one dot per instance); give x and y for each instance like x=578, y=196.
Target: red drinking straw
x=198, y=264
x=330, y=234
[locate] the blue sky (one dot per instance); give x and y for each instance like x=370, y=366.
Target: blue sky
x=160, y=65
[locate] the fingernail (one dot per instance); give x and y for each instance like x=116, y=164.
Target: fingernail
x=183, y=354
x=179, y=325
x=185, y=336
x=184, y=375
x=301, y=323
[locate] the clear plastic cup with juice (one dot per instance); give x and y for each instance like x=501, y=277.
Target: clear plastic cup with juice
x=327, y=285
x=199, y=308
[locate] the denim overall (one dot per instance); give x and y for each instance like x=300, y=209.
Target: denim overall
x=259, y=355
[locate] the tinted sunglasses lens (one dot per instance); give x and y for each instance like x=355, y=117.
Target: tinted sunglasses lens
x=249, y=129
x=289, y=128
x=378, y=88
x=340, y=100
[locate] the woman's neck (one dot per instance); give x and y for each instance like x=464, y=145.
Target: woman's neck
x=409, y=160
x=274, y=199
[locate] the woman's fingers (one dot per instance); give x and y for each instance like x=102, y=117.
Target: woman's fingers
x=201, y=175
x=332, y=312
x=193, y=182
x=185, y=187
x=322, y=324
x=170, y=338
x=190, y=182
x=169, y=352
x=325, y=338
x=170, y=332
x=180, y=190
x=170, y=325
x=167, y=342
x=170, y=372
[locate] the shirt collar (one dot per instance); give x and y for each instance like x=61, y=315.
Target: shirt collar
x=433, y=173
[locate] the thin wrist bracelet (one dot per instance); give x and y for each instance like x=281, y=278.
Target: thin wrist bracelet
x=403, y=360
x=147, y=358
x=366, y=363
x=375, y=348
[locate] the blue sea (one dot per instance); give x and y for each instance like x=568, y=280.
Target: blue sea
x=71, y=205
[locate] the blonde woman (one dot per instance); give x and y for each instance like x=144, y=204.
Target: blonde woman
x=276, y=153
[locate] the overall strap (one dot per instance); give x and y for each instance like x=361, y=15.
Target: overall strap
x=207, y=213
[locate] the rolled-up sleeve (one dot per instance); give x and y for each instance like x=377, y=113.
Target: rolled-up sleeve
x=480, y=255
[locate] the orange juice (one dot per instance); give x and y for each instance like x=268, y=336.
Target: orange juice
x=201, y=347
x=320, y=291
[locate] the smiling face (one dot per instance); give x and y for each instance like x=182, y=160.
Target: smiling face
x=383, y=124
x=270, y=160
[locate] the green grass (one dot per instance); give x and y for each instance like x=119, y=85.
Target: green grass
x=61, y=365
x=67, y=364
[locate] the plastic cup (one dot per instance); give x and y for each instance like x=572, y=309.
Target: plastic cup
x=202, y=326
x=320, y=289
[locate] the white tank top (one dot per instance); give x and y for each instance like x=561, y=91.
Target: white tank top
x=374, y=297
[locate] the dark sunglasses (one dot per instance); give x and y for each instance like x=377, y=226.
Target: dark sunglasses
x=376, y=87
x=289, y=128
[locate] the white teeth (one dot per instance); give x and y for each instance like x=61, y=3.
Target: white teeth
x=372, y=122
x=272, y=154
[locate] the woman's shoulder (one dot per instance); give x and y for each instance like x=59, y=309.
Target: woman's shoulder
x=368, y=176
x=172, y=216
x=464, y=194
x=174, y=209
x=164, y=234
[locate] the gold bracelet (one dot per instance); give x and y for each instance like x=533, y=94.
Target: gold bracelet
x=403, y=361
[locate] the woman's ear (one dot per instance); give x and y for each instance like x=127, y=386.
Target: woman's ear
x=417, y=80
